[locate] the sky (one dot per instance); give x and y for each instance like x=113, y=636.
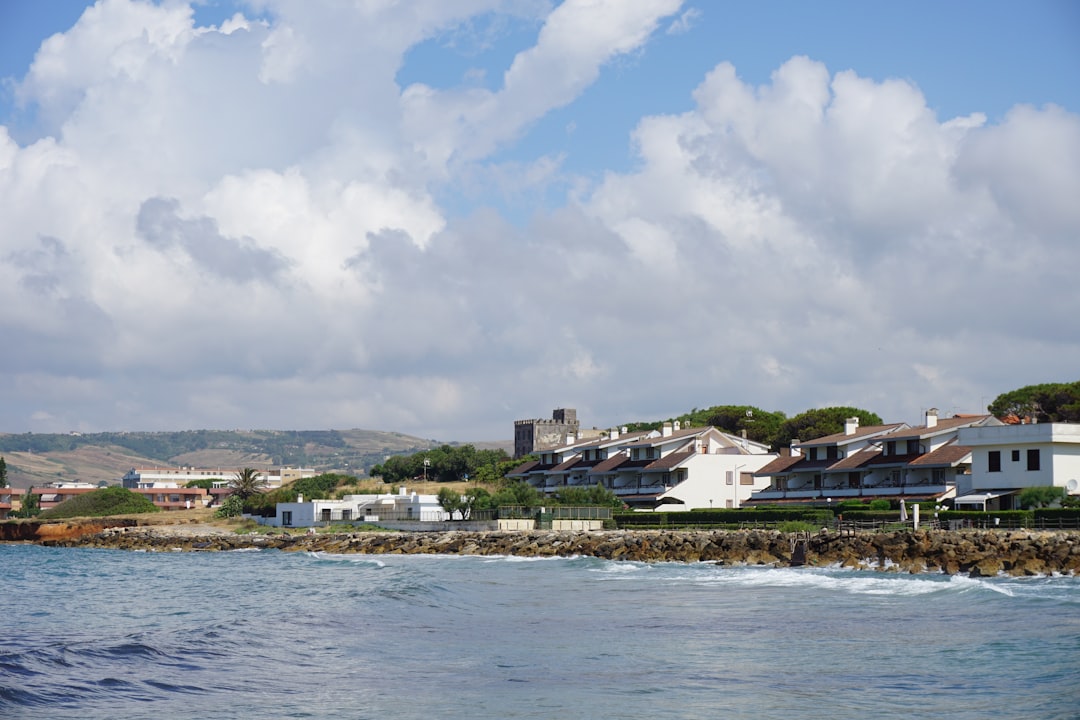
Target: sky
x=437, y=218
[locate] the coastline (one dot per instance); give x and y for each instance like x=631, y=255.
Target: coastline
x=979, y=553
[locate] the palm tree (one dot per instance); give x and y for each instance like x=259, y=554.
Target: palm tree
x=247, y=482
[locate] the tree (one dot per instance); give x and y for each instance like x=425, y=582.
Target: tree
x=820, y=422
x=1040, y=496
x=595, y=495
x=451, y=501
x=31, y=504
x=246, y=483
x=1048, y=402
x=760, y=425
x=3, y=472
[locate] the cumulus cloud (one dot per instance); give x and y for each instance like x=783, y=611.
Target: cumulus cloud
x=240, y=226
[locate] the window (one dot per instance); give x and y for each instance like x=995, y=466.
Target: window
x=813, y=453
x=730, y=477
x=830, y=452
x=1016, y=456
x=286, y=518
x=890, y=447
x=994, y=461
x=912, y=447
x=746, y=478
x=1033, y=459
x=730, y=504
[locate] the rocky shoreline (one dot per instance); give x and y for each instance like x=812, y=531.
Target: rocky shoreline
x=980, y=553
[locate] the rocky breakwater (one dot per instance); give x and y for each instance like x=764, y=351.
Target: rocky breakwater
x=978, y=553
x=36, y=531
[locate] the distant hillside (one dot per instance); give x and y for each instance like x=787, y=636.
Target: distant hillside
x=34, y=459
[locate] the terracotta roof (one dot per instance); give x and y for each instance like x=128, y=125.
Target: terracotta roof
x=862, y=432
x=669, y=461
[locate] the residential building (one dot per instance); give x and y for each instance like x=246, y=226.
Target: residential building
x=166, y=498
x=273, y=477
x=1008, y=458
x=676, y=468
x=925, y=462
x=373, y=508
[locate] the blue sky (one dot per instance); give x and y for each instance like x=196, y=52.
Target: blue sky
x=446, y=217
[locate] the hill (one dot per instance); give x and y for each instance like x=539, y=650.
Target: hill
x=34, y=459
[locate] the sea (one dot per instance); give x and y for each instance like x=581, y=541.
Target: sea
x=106, y=634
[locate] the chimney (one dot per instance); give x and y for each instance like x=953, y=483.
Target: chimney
x=571, y=438
x=666, y=432
x=624, y=430
x=795, y=452
x=614, y=433
x=851, y=425
x=931, y=417
x=299, y=498
x=678, y=426
x=744, y=443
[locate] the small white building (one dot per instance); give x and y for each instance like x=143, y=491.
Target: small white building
x=402, y=505
x=1008, y=458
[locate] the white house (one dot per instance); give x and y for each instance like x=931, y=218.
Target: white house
x=1008, y=458
x=387, y=506
x=166, y=477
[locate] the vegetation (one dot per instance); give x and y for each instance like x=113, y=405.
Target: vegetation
x=101, y=503
x=320, y=449
x=1041, y=497
x=772, y=428
x=233, y=506
x=30, y=505
x=1048, y=402
x=445, y=463
x=204, y=483
x=3, y=472
x=246, y=483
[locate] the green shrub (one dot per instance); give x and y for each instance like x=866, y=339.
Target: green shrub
x=101, y=503
x=232, y=507
x=880, y=504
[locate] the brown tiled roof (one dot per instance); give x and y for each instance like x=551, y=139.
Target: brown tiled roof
x=524, y=467
x=861, y=432
x=566, y=464
x=610, y=464
x=947, y=455
x=669, y=461
x=857, y=460
x=780, y=464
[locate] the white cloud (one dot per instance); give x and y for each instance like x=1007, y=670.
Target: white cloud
x=241, y=227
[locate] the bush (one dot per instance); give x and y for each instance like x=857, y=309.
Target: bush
x=232, y=507
x=880, y=504
x=101, y=503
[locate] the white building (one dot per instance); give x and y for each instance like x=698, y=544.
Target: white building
x=677, y=468
x=359, y=508
x=1008, y=458
x=174, y=477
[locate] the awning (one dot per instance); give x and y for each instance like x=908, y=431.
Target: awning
x=981, y=498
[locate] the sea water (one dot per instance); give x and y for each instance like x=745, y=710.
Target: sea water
x=110, y=634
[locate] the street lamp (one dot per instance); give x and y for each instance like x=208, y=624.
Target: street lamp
x=427, y=464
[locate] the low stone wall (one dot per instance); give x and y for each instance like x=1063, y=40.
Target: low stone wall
x=976, y=552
